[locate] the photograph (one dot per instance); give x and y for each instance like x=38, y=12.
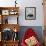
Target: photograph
x=30, y=13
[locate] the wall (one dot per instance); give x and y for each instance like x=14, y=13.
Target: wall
x=36, y=29
x=39, y=12
x=27, y=3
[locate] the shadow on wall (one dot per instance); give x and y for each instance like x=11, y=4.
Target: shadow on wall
x=37, y=29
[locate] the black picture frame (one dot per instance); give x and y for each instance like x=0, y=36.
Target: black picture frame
x=30, y=13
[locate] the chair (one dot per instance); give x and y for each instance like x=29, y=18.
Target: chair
x=29, y=33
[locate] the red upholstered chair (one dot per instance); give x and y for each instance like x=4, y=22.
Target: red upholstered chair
x=29, y=33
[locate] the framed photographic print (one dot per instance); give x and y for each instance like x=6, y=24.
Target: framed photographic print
x=13, y=20
x=0, y=19
x=30, y=13
x=0, y=36
x=5, y=12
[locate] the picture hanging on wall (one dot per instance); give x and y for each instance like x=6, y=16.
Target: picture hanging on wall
x=30, y=13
